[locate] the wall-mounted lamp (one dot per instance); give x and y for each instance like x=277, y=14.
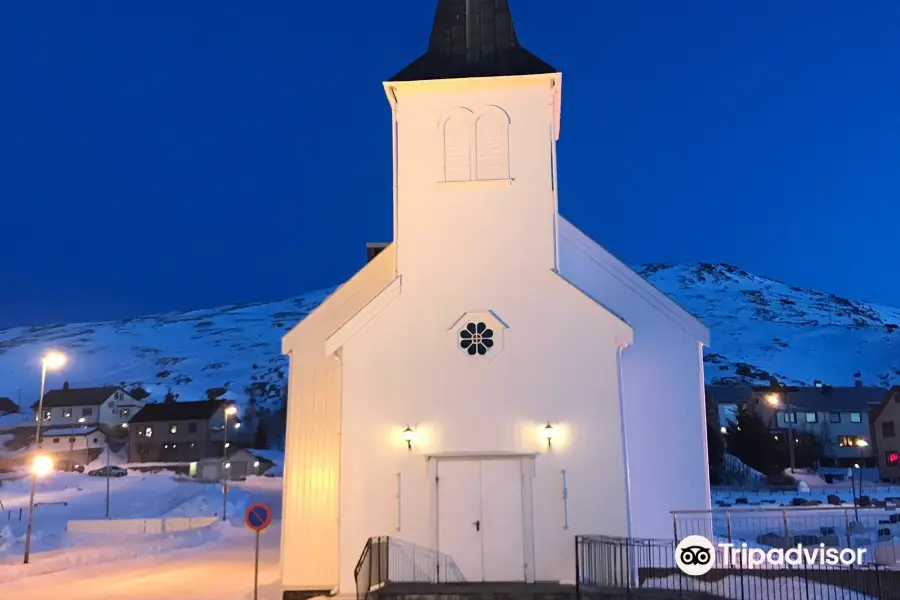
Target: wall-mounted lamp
x=547, y=433
x=409, y=435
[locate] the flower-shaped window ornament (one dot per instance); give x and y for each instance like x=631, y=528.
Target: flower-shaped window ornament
x=476, y=339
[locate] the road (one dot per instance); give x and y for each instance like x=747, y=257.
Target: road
x=204, y=573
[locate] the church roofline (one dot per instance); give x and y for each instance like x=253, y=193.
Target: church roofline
x=473, y=39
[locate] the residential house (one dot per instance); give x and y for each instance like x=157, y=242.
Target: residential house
x=108, y=407
x=837, y=416
x=886, y=430
x=73, y=446
x=8, y=407
x=239, y=463
x=726, y=400
x=180, y=432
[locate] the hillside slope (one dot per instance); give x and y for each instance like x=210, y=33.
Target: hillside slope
x=759, y=327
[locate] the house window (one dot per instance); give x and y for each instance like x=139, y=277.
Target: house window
x=46, y=415
x=856, y=417
x=173, y=428
x=67, y=412
x=148, y=431
x=86, y=412
x=95, y=440
x=834, y=417
x=892, y=458
x=847, y=441
x=492, y=145
x=124, y=412
x=887, y=429
x=193, y=445
x=458, y=147
x=789, y=417
x=192, y=428
x=812, y=417
x=55, y=440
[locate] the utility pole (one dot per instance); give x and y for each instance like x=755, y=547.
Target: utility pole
x=791, y=416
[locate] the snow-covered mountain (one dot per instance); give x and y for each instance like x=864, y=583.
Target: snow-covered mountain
x=760, y=327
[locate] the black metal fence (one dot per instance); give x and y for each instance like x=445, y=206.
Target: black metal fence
x=636, y=566
x=388, y=560
x=873, y=531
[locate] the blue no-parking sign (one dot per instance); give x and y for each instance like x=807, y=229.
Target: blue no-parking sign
x=258, y=517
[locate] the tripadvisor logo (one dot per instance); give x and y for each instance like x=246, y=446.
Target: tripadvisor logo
x=695, y=555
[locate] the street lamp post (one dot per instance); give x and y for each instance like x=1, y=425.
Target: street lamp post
x=51, y=360
x=773, y=401
x=229, y=410
x=862, y=445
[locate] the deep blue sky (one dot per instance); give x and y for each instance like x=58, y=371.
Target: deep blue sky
x=161, y=155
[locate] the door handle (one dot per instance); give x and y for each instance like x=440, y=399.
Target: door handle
x=477, y=525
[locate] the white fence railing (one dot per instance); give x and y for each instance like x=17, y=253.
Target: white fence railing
x=139, y=525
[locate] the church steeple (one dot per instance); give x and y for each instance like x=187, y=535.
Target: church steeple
x=473, y=38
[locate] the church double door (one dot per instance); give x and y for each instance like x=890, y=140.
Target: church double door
x=482, y=525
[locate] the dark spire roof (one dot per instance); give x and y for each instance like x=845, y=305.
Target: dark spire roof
x=473, y=38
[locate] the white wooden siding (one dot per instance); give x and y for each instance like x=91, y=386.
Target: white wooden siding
x=310, y=528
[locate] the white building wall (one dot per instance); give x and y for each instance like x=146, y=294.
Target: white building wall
x=665, y=414
x=309, y=536
x=557, y=363
x=445, y=228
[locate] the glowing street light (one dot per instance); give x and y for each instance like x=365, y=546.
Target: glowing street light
x=52, y=360
x=42, y=465
x=772, y=399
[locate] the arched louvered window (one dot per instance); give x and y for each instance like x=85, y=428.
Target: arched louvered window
x=492, y=145
x=458, y=147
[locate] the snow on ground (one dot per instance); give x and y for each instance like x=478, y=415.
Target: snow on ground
x=212, y=563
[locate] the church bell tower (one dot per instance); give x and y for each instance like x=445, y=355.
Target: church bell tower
x=476, y=120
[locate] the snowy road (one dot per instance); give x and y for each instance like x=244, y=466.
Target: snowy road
x=205, y=573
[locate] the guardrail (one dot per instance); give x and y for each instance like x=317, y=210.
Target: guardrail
x=148, y=526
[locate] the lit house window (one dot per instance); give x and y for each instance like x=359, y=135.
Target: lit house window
x=855, y=417
x=847, y=441
x=173, y=428
x=67, y=412
x=812, y=417
x=892, y=458
x=46, y=415
x=148, y=432
x=789, y=417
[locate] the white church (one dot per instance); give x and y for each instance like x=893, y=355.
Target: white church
x=492, y=383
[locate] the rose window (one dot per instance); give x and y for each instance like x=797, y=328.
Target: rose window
x=476, y=339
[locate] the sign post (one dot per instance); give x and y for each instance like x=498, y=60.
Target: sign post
x=257, y=518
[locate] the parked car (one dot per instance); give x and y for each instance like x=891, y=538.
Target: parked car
x=113, y=472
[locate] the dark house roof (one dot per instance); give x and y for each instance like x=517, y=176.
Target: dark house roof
x=473, y=38
x=8, y=406
x=77, y=397
x=835, y=399
x=178, y=411
x=730, y=394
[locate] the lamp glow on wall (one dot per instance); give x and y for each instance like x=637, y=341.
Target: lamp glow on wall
x=409, y=436
x=548, y=432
